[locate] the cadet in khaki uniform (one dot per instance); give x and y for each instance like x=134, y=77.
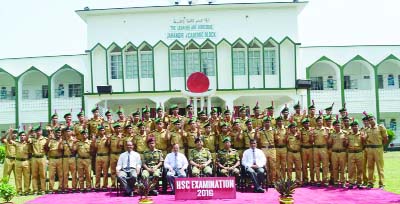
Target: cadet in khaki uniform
x=9, y=161
x=177, y=135
x=152, y=162
x=38, y=161
x=147, y=121
x=209, y=140
x=242, y=119
x=364, y=130
x=200, y=159
x=135, y=120
x=270, y=113
x=129, y=135
x=203, y=119
x=307, y=151
x=281, y=150
x=214, y=120
x=336, y=140
x=140, y=140
x=249, y=134
x=116, y=148
x=102, y=149
x=69, y=159
x=320, y=139
x=189, y=116
x=226, y=119
x=354, y=142
x=54, y=149
x=22, y=164
x=257, y=118
x=376, y=138
x=285, y=116
x=237, y=137
x=83, y=149
x=311, y=115
x=267, y=145
x=175, y=116
x=163, y=118
x=81, y=125
x=94, y=122
x=160, y=135
x=293, y=140
x=297, y=116
x=228, y=159
x=222, y=134
x=122, y=120
x=192, y=132
x=108, y=123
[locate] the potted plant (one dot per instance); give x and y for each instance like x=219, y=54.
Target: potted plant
x=7, y=191
x=144, y=186
x=286, y=189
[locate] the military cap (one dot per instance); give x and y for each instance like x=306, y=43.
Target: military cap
x=189, y=106
x=140, y=124
x=127, y=126
x=201, y=112
x=365, y=118
x=305, y=120
x=157, y=120
x=328, y=117
x=100, y=127
x=345, y=118
x=242, y=108
x=116, y=125
x=67, y=114
x=227, y=111
x=54, y=115
x=226, y=139
x=176, y=121
x=236, y=121
x=84, y=131
x=159, y=109
x=247, y=121
x=21, y=132
x=174, y=106
x=292, y=124
x=120, y=110
x=191, y=120
x=206, y=125
x=355, y=122
x=69, y=128
x=285, y=109
x=109, y=111
x=223, y=124
x=37, y=128
x=279, y=118
x=58, y=129
x=95, y=109
x=214, y=110
x=297, y=106
x=267, y=118
x=145, y=110
x=80, y=113
x=136, y=113
x=312, y=106
x=342, y=110
x=256, y=107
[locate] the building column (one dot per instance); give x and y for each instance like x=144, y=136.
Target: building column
x=195, y=106
x=209, y=105
x=202, y=103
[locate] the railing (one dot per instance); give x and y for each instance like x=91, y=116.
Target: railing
x=389, y=94
x=34, y=104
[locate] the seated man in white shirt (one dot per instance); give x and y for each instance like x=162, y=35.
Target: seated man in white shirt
x=253, y=161
x=128, y=167
x=176, y=164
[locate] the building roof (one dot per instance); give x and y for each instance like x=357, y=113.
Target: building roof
x=174, y=8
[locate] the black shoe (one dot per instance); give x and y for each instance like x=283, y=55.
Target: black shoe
x=350, y=186
x=172, y=193
x=359, y=186
x=370, y=186
x=131, y=194
x=381, y=187
x=318, y=185
x=153, y=193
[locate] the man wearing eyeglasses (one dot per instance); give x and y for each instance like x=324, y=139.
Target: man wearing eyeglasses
x=128, y=168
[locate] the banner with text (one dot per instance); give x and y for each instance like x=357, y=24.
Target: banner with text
x=204, y=188
x=191, y=28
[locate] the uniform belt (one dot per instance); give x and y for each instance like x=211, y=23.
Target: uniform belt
x=8, y=157
x=338, y=150
x=280, y=146
x=373, y=146
x=102, y=154
x=38, y=156
x=68, y=156
x=269, y=146
x=306, y=147
x=320, y=146
x=355, y=151
x=239, y=148
x=55, y=157
x=21, y=159
x=116, y=152
x=84, y=157
x=293, y=151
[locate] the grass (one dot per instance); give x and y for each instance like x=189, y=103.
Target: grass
x=392, y=174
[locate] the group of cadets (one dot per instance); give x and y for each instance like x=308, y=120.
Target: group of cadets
x=303, y=142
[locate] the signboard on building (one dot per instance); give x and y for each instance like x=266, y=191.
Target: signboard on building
x=191, y=28
x=205, y=188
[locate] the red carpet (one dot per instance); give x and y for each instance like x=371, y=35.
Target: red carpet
x=302, y=195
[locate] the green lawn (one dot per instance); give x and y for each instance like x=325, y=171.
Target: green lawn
x=392, y=172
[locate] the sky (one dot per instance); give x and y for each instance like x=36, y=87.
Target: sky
x=49, y=27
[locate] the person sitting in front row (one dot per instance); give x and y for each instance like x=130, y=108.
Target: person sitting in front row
x=176, y=164
x=200, y=159
x=253, y=161
x=128, y=168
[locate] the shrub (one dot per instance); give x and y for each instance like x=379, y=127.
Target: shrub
x=7, y=191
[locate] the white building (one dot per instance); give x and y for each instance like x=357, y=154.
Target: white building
x=250, y=52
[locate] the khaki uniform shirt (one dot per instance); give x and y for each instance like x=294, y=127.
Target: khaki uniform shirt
x=293, y=142
x=375, y=135
x=93, y=124
x=161, y=139
x=152, y=158
x=228, y=158
x=54, y=151
x=321, y=136
x=209, y=142
x=83, y=148
x=140, y=141
x=38, y=145
x=200, y=156
x=355, y=142
x=267, y=137
x=337, y=140
x=22, y=150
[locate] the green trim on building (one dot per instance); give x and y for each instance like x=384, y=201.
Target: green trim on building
x=295, y=63
x=16, y=102
x=342, y=96
x=280, y=66
x=169, y=69
x=216, y=67
x=138, y=69
x=390, y=57
x=377, y=101
x=154, y=73
x=233, y=76
x=91, y=70
x=49, y=100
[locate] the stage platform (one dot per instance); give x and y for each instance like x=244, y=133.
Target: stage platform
x=304, y=195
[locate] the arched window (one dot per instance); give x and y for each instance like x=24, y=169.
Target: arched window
x=146, y=62
x=116, y=63
x=208, y=59
x=239, y=59
x=177, y=61
x=192, y=59
x=271, y=58
x=255, y=66
x=131, y=63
